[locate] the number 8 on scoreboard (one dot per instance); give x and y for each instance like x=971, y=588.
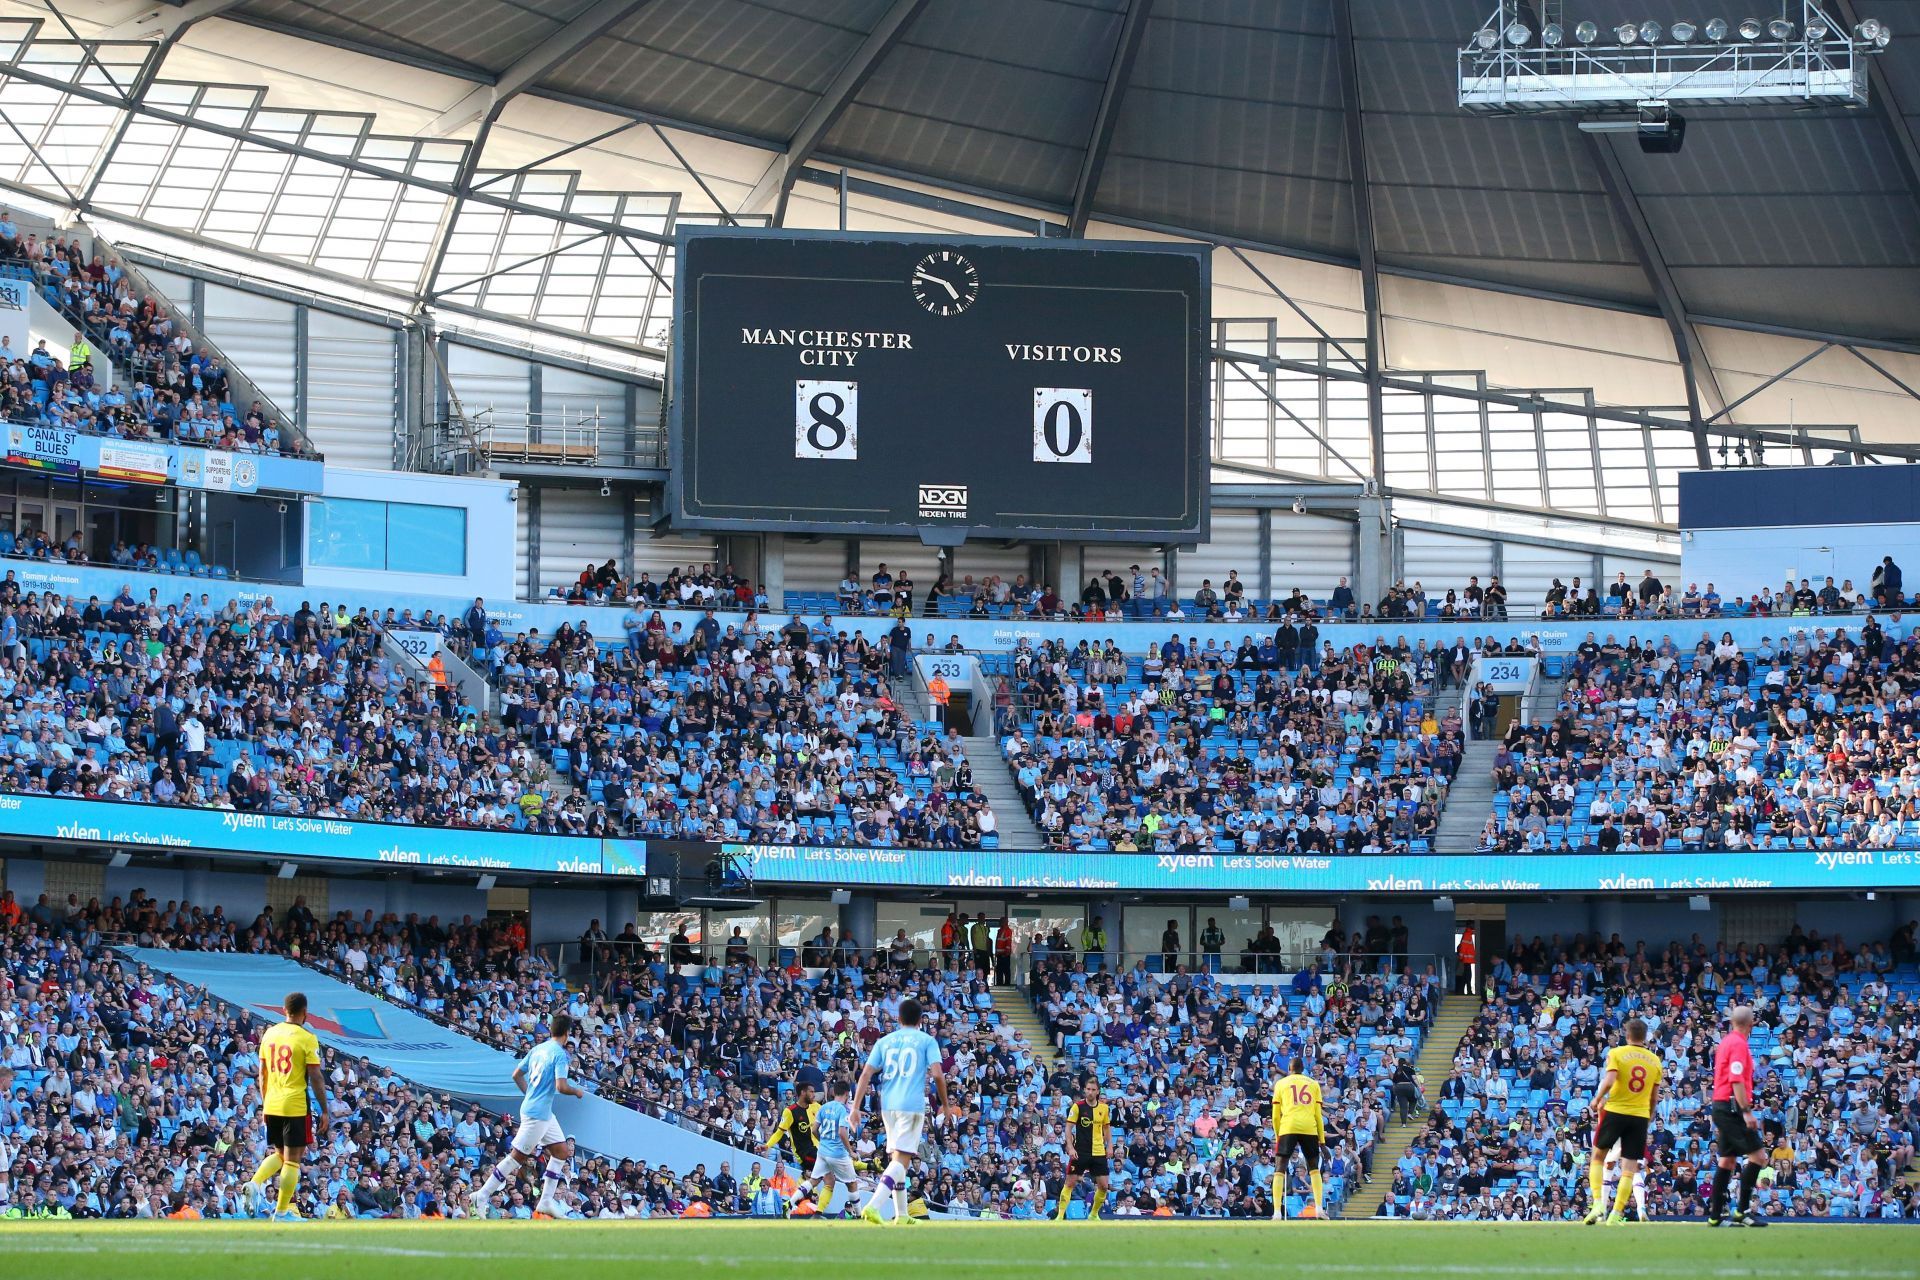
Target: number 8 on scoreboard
x=826, y=420
x=1062, y=424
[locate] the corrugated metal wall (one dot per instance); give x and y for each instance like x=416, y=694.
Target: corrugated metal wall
x=570, y=398
x=353, y=372
x=815, y=566
x=522, y=519
x=1440, y=562
x=659, y=556
x=917, y=560
x=987, y=560
x=257, y=334
x=488, y=383
x=1233, y=543
x=1309, y=552
x=577, y=527
x=1527, y=572
x=178, y=288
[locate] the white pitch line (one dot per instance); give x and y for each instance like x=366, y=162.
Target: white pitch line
x=16, y=1244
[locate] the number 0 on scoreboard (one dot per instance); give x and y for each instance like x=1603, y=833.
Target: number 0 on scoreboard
x=1062, y=424
x=826, y=420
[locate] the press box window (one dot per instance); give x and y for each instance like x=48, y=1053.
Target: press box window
x=409, y=537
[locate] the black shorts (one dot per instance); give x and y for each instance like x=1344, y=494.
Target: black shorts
x=1731, y=1132
x=289, y=1131
x=1306, y=1144
x=1629, y=1131
x=1089, y=1166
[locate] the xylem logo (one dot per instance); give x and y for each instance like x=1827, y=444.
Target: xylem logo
x=943, y=502
x=1626, y=882
x=396, y=854
x=588, y=868
x=74, y=831
x=1172, y=862
x=975, y=880
x=1396, y=883
x=244, y=821
x=1832, y=860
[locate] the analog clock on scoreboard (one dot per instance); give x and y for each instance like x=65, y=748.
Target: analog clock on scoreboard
x=892, y=385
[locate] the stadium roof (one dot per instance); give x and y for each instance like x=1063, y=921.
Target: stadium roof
x=1234, y=119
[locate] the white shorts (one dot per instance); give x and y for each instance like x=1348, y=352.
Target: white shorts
x=537, y=1135
x=839, y=1167
x=903, y=1130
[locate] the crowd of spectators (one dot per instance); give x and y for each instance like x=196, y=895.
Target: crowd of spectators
x=1837, y=1035
x=179, y=392
x=1279, y=745
x=1650, y=598
x=1801, y=744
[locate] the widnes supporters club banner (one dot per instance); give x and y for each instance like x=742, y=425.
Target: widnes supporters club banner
x=316, y=840
x=68, y=452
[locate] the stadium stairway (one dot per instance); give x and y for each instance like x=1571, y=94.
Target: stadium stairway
x=1017, y=1012
x=1450, y=1027
x=1469, y=800
x=992, y=779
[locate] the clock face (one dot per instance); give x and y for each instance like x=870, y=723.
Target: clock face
x=945, y=283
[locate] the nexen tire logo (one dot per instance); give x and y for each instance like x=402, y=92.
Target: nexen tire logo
x=943, y=502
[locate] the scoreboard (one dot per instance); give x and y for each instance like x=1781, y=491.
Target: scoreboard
x=944, y=387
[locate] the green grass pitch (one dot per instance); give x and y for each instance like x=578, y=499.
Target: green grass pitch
x=949, y=1251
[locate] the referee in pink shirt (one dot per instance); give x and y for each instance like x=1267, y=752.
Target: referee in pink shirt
x=1734, y=1129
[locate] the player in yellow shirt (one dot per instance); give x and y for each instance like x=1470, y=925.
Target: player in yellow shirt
x=1299, y=1124
x=289, y=1066
x=1092, y=1124
x=1622, y=1112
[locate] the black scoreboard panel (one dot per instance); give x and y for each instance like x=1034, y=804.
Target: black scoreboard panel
x=891, y=385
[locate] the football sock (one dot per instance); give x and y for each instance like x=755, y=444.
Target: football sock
x=900, y=1197
x=895, y=1175
x=1099, y=1198
x=1319, y=1188
x=1749, y=1175
x=289, y=1183
x=1717, y=1203
x=1066, y=1198
x=1622, y=1194
x=1640, y=1197
x=268, y=1167
x=1279, y=1193
x=1596, y=1184
x=501, y=1175
x=550, y=1185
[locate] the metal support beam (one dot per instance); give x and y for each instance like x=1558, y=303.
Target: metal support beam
x=1733, y=431
x=136, y=96
x=1119, y=76
x=352, y=164
x=530, y=66
x=1360, y=183
x=1806, y=359
x=1686, y=343
x=777, y=181
x=166, y=21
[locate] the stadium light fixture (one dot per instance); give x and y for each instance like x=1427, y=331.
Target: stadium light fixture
x=1642, y=69
x=1553, y=35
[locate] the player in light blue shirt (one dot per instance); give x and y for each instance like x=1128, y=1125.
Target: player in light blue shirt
x=540, y=1076
x=904, y=1059
x=832, y=1127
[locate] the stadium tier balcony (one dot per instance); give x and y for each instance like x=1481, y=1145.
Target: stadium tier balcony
x=1838, y=1100
x=1262, y=748
x=1803, y=743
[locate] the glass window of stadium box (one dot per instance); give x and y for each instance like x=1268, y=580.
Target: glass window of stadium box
x=797, y=920
x=749, y=919
x=657, y=928
x=921, y=920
